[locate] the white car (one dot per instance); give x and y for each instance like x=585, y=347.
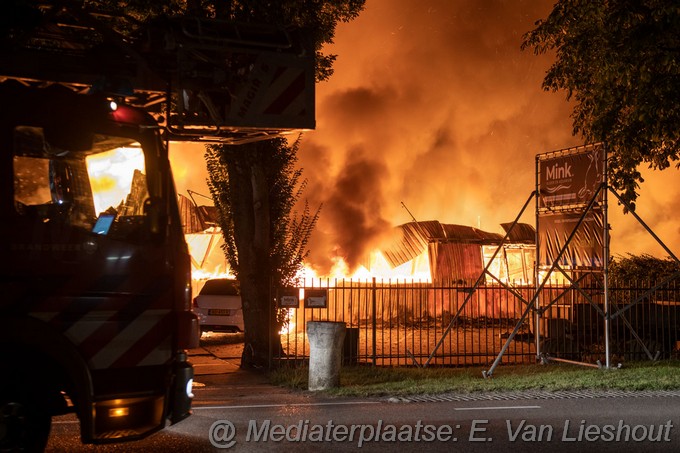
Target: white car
x=218, y=306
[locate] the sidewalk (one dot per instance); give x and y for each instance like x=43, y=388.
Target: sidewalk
x=219, y=380
x=208, y=363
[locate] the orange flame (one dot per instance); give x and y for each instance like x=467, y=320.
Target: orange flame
x=378, y=267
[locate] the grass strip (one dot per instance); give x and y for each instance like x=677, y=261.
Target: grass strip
x=366, y=381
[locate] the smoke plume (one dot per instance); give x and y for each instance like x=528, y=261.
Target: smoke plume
x=434, y=105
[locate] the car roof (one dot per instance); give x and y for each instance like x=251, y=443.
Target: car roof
x=220, y=287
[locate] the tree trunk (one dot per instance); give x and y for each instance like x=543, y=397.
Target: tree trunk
x=252, y=236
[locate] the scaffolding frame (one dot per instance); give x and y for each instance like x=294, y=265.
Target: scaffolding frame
x=608, y=315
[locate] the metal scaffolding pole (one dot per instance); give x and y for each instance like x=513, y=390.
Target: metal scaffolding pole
x=610, y=310
x=478, y=282
x=532, y=303
x=537, y=311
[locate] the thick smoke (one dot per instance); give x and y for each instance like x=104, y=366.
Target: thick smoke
x=432, y=104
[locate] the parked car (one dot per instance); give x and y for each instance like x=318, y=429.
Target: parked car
x=218, y=306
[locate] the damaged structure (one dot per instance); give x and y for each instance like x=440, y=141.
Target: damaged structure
x=204, y=239
x=458, y=254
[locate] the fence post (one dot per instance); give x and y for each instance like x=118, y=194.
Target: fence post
x=375, y=327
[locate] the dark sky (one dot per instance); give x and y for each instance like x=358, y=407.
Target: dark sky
x=433, y=104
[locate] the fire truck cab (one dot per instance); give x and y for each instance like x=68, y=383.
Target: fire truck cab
x=95, y=306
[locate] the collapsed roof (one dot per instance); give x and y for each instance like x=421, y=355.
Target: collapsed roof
x=412, y=239
x=457, y=251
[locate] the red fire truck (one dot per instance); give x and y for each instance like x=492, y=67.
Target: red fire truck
x=95, y=312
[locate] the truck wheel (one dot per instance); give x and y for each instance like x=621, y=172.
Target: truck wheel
x=24, y=426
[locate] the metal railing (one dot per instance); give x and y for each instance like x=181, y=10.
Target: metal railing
x=399, y=323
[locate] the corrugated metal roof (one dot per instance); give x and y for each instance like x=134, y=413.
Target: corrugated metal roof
x=208, y=215
x=196, y=218
x=462, y=233
x=411, y=241
x=191, y=222
x=413, y=237
x=522, y=233
x=432, y=229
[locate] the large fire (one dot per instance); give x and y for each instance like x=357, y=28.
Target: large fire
x=428, y=110
x=376, y=266
x=111, y=175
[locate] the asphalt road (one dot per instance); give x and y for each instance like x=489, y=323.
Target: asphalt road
x=240, y=410
x=257, y=417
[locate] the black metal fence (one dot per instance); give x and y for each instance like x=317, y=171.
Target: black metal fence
x=411, y=323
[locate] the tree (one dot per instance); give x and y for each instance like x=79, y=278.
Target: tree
x=619, y=61
x=252, y=183
x=637, y=268
x=265, y=241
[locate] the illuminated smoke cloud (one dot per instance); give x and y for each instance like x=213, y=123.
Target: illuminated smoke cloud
x=432, y=103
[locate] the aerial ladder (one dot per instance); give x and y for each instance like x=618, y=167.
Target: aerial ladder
x=202, y=79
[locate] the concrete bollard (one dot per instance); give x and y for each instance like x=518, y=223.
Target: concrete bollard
x=325, y=353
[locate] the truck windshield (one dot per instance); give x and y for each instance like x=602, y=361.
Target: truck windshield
x=102, y=189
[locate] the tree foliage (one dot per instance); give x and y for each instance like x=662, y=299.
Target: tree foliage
x=255, y=191
x=637, y=268
x=619, y=61
x=289, y=229
x=317, y=18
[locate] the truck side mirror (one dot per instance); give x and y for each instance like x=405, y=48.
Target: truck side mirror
x=61, y=183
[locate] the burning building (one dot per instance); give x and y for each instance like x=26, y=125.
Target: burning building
x=204, y=239
x=459, y=254
x=429, y=250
